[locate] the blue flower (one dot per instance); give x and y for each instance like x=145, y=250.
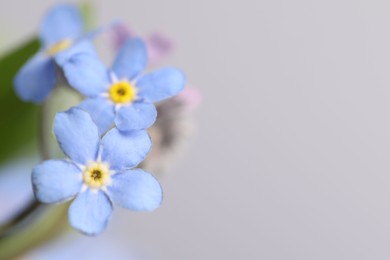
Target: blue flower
x=60, y=34
x=120, y=95
x=98, y=173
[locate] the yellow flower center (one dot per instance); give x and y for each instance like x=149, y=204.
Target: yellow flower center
x=59, y=46
x=122, y=92
x=97, y=175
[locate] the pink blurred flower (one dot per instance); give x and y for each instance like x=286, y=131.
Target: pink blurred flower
x=191, y=98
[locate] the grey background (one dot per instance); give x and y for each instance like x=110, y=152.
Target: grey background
x=291, y=159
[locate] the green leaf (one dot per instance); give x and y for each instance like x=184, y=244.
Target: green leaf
x=18, y=119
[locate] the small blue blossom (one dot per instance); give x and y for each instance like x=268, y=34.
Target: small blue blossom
x=120, y=94
x=98, y=173
x=60, y=33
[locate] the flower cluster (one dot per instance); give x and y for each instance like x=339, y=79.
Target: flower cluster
x=173, y=126
x=105, y=136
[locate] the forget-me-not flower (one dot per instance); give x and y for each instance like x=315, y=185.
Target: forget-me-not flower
x=60, y=33
x=98, y=173
x=121, y=95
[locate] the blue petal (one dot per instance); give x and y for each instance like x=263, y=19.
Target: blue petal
x=56, y=180
x=131, y=59
x=36, y=79
x=80, y=47
x=61, y=22
x=102, y=112
x=124, y=150
x=161, y=84
x=77, y=135
x=135, y=190
x=136, y=116
x=87, y=74
x=90, y=212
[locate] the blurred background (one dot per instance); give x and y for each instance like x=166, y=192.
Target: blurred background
x=290, y=158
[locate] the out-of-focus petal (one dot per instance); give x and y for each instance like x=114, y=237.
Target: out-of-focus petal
x=77, y=135
x=131, y=59
x=161, y=84
x=56, y=180
x=120, y=34
x=159, y=46
x=136, y=116
x=61, y=22
x=102, y=112
x=124, y=150
x=90, y=212
x=191, y=98
x=76, y=48
x=36, y=79
x=135, y=190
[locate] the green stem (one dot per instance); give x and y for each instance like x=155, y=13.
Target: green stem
x=44, y=131
x=36, y=223
x=40, y=230
x=24, y=215
x=20, y=219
